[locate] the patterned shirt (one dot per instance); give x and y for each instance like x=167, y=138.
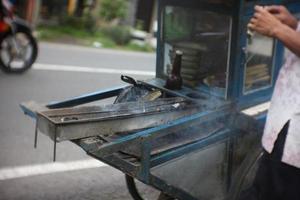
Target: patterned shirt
x=285, y=105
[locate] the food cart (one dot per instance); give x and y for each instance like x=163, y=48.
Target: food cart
x=198, y=142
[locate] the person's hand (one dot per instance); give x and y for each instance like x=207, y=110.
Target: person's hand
x=282, y=13
x=264, y=22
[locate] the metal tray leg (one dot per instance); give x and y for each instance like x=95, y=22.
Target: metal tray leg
x=36, y=134
x=54, y=149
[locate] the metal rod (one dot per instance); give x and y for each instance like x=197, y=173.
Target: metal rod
x=36, y=134
x=230, y=160
x=54, y=150
x=144, y=172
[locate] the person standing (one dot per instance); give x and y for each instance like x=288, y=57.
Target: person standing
x=278, y=176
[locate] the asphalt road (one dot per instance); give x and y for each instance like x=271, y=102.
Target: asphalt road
x=61, y=71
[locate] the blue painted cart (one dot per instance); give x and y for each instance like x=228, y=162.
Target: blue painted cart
x=211, y=151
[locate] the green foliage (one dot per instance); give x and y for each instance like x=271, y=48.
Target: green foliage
x=139, y=25
x=67, y=34
x=113, y=9
x=90, y=23
x=120, y=34
x=136, y=47
x=72, y=21
x=85, y=23
x=57, y=32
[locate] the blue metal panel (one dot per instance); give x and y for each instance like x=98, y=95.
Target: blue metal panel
x=293, y=6
x=289, y=2
x=159, y=50
x=215, y=138
x=235, y=53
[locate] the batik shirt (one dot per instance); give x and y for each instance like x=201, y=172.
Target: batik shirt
x=285, y=106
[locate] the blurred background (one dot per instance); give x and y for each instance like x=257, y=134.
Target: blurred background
x=125, y=24
x=83, y=46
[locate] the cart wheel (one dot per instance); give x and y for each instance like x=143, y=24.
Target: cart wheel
x=245, y=175
x=132, y=188
x=130, y=182
x=164, y=196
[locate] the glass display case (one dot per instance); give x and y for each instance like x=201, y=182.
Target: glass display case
x=204, y=38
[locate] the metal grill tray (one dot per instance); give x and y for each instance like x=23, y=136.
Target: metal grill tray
x=174, y=139
x=82, y=122
x=236, y=122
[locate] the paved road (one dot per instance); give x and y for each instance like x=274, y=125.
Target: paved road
x=61, y=71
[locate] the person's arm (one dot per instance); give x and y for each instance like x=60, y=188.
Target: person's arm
x=289, y=37
x=283, y=14
x=267, y=24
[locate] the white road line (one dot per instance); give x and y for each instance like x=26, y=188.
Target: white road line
x=47, y=168
x=70, y=68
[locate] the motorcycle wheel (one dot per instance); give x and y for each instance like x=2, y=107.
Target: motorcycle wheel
x=17, y=51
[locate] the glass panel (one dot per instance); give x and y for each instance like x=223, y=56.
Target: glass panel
x=259, y=62
x=203, y=37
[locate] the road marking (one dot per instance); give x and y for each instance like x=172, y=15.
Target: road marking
x=70, y=68
x=48, y=168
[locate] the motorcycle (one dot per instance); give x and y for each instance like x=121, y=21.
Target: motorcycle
x=18, y=47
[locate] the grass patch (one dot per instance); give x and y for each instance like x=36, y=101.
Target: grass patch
x=70, y=35
x=136, y=47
